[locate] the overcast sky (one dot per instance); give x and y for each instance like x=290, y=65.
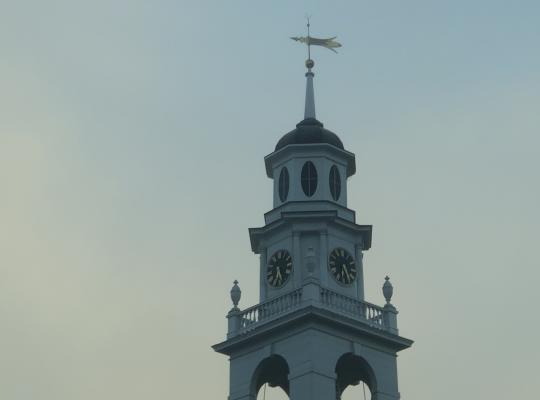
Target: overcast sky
x=132, y=137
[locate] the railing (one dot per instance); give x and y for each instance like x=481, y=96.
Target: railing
x=269, y=309
x=368, y=312
x=241, y=322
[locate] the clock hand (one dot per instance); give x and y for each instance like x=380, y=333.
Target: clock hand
x=346, y=273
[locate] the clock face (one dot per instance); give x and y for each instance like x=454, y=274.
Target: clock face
x=342, y=267
x=279, y=268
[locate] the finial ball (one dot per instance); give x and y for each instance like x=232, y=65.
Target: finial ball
x=310, y=63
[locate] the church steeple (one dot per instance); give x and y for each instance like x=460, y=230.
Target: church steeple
x=312, y=333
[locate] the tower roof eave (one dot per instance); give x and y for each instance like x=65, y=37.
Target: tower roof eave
x=290, y=148
x=257, y=234
x=316, y=317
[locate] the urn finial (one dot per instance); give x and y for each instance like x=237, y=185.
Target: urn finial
x=236, y=293
x=387, y=289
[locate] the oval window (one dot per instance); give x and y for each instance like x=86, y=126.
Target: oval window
x=283, y=184
x=335, y=183
x=309, y=178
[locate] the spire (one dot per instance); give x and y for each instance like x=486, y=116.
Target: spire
x=309, y=111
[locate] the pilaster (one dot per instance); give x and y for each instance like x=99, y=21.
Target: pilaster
x=263, y=288
x=359, y=272
x=309, y=384
x=297, y=260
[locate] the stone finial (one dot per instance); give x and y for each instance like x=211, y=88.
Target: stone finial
x=236, y=293
x=387, y=289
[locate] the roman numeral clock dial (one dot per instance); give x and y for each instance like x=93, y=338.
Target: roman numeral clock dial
x=279, y=268
x=342, y=266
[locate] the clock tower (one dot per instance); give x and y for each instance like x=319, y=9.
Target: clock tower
x=312, y=333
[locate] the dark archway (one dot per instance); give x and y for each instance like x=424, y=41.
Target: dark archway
x=273, y=370
x=351, y=370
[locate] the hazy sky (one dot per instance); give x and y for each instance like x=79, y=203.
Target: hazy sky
x=132, y=137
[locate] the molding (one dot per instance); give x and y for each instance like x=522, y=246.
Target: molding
x=307, y=315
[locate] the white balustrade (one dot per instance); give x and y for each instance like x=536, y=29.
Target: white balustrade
x=269, y=309
x=368, y=312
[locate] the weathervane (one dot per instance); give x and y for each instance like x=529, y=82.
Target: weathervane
x=329, y=43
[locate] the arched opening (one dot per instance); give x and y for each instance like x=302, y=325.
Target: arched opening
x=354, y=378
x=270, y=380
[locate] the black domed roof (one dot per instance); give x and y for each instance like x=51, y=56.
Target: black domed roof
x=309, y=131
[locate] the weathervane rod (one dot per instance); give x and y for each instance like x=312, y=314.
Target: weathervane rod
x=308, y=43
